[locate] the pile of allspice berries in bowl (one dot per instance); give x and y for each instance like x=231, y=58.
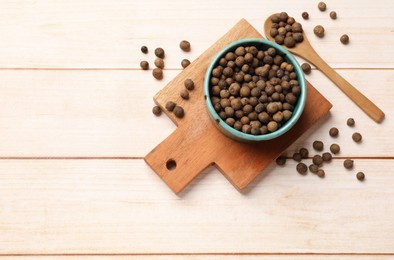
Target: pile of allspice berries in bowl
x=255, y=90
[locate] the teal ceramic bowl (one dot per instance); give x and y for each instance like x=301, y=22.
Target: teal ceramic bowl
x=298, y=109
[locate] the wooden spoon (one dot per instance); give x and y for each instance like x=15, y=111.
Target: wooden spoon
x=305, y=50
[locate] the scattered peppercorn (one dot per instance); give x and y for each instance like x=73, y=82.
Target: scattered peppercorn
x=305, y=15
x=333, y=15
x=313, y=168
x=335, y=148
x=281, y=160
x=179, y=112
x=360, y=176
x=348, y=163
x=318, y=145
x=319, y=31
x=297, y=157
x=184, y=94
x=344, y=39
x=327, y=156
x=357, y=137
x=144, y=65
x=306, y=68
x=189, y=84
x=317, y=160
x=144, y=49
x=350, y=122
x=321, y=173
x=156, y=110
x=170, y=106
x=302, y=168
x=184, y=45
x=159, y=52
x=185, y=63
x=322, y=6
x=157, y=73
x=304, y=152
x=159, y=62
x=333, y=132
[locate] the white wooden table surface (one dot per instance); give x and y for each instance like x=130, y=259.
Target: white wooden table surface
x=76, y=122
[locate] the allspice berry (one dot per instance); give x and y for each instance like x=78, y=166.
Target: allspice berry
x=298, y=37
x=304, y=152
x=335, y=148
x=313, y=168
x=281, y=160
x=272, y=107
x=159, y=62
x=189, y=84
x=184, y=45
x=289, y=42
x=333, y=15
x=279, y=39
x=184, y=94
x=333, y=132
x=272, y=126
x=144, y=49
x=319, y=31
x=317, y=160
x=322, y=6
x=357, y=137
x=348, y=163
x=185, y=63
x=305, y=15
x=157, y=73
x=159, y=52
x=179, y=112
x=327, y=156
x=318, y=145
x=170, y=106
x=321, y=173
x=156, y=110
x=360, y=176
x=283, y=16
x=344, y=39
x=306, y=68
x=144, y=65
x=350, y=122
x=302, y=168
x=297, y=157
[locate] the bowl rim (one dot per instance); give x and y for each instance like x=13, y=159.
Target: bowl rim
x=297, y=110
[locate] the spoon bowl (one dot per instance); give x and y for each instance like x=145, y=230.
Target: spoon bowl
x=305, y=50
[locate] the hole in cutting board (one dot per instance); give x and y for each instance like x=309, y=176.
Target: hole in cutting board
x=171, y=164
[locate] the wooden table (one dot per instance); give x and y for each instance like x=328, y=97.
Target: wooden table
x=76, y=122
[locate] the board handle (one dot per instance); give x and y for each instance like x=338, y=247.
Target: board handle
x=180, y=158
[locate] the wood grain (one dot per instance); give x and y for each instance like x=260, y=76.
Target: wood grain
x=82, y=34
x=71, y=88
x=202, y=256
x=108, y=113
x=112, y=206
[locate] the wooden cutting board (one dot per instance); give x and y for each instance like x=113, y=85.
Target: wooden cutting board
x=197, y=143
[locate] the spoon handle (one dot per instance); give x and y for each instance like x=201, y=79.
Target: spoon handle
x=356, y=96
